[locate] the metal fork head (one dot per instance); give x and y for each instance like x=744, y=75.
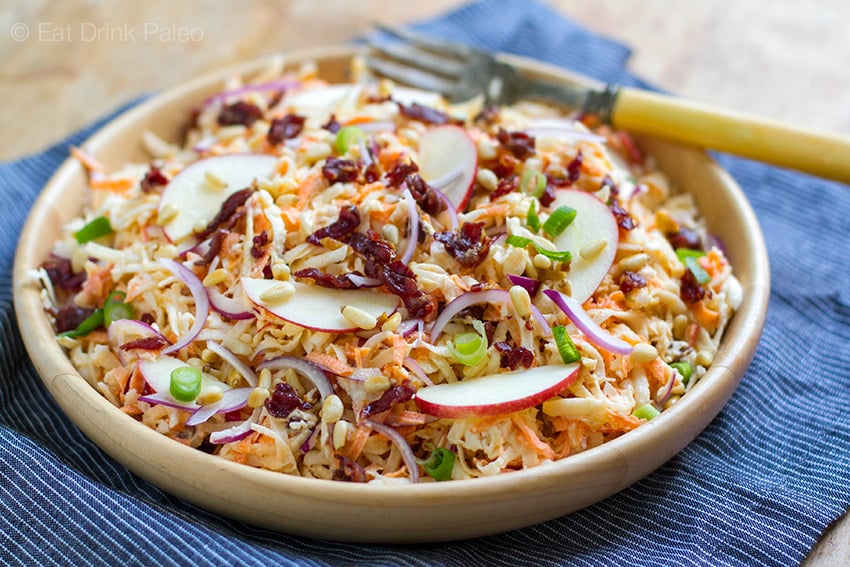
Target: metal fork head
x=457, y=71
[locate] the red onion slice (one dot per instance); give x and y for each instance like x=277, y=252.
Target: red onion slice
x=230, y=307
x=231, y=400
x=307, y=369
x=281, y=85
x=123, y=331
x=668, y=390
x=596, y=334
x=237, y=432
x=401, y=443
x=406, y=327
x=413, y=227
x=530, y=285
x=166, y=399
x=365, y=154
x=363, y=281
x=235, y=362
x=199, y=294
x=470, y=298
x=565, y=129
x=310, y=442
x=444, y=181
x=376, y=126
x=450, y=208
x=417, y=369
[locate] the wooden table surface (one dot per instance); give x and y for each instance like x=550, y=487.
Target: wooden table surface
x=63, y=64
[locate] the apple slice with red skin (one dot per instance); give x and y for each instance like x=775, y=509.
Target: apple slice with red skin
x=594, y=222
x=197, y=201
x=446, y=150
x=496, y=394
x=320, y=308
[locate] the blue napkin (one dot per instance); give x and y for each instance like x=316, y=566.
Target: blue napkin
x=759, y=486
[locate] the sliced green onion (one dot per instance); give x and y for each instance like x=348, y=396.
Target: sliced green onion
x=115, y=308
x=646, y=411
x=522, y=242
x=185, y=383
x=96, y=228
x=683, y=253
x=684, y=369
x=440, y=465
x=566, y=347
x=470, y=348
x=699, y=273
x=531, y=219
x=88, y=325
x=346, y=137
x=559, y=220
x=532, y=183
x=554, y=255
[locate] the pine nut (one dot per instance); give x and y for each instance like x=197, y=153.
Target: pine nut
x=487, y=179
x=704, y=358
x=341, y=430
x=521, y=301
x=278, y=293
x=332, y=409
x=643, y=353
x=264, y=379
x=592, y=249
x=359, y=318
x=215, y=277
x=166, y=251
x=392, y=323
x=376, y=384
x=211, y=395
x=208, y=356
x=258, y=397
x=167, y=213
x=541, y=262
x=214, y=181
x=281, y=271
x=634, y=262
x=680, y=325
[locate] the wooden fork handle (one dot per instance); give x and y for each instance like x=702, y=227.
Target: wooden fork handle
x=820, y=153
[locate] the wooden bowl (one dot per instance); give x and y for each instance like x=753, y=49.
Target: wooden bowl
x=384, y=513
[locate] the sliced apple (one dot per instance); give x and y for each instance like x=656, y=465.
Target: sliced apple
x=319, y=308
x=157, y=373
x=496, y=394
x=594, y=230
x=197, y=192
x=447, y=152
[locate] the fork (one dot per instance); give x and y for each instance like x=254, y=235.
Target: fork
x=460, y=72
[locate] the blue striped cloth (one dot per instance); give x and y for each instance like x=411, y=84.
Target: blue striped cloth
x=759, y=486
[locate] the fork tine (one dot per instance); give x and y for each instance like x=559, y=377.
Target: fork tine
x=418, y=58
x=410, y=76
x=428, y=43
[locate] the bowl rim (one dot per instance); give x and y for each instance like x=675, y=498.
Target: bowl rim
x=76, y=396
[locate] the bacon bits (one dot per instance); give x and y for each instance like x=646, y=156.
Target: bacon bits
x=514, y=357
x=284, y=400
x=285, y=128
x=520, y=144
x=630, y=281
x=338, y=170
x=468, y=244
x=241, y=112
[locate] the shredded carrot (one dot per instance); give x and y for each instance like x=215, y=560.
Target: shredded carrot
x=708, y=318
x=358, y=441
x=332, y=363
x=533, y=440
x=115, y=185
x=314, y=182
x=406, y=417
x=97, y=287
x=87, y=159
